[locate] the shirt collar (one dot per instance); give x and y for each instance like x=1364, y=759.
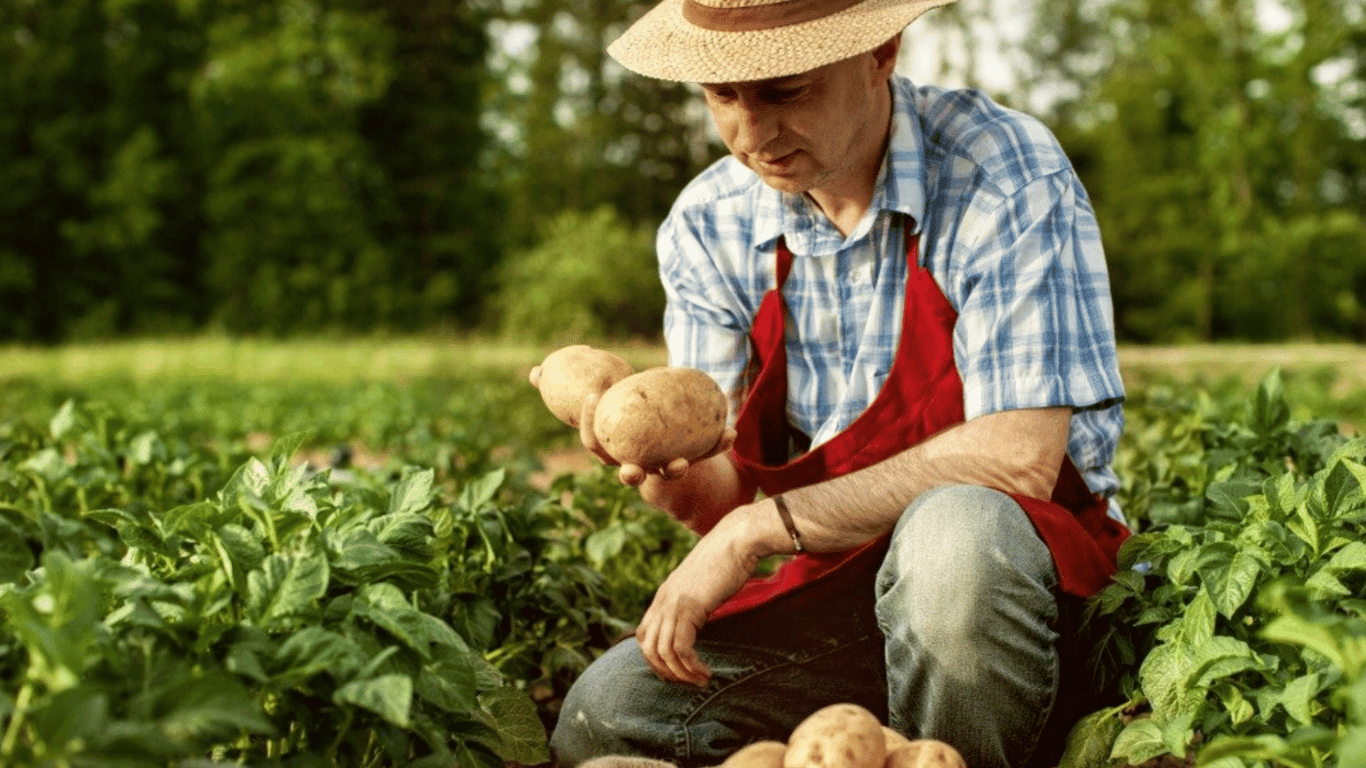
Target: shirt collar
x=900, y=188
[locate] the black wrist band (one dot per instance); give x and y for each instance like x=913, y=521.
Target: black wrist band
x=787, y=522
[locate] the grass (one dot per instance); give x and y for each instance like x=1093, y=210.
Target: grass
x=357, y=359
x=425, y=356
x=1337, y=372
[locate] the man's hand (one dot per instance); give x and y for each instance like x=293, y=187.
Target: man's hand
x=634, y=474
x=714, y=570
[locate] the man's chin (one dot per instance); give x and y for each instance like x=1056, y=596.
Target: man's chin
x=794, y=185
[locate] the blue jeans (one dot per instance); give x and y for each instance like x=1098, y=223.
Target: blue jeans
x=956, y=640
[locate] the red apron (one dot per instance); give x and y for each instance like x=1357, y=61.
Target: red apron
x=922, y=395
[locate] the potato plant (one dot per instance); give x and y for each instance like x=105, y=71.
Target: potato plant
x=306, y=573
x=1235, y=630
x=170, y=594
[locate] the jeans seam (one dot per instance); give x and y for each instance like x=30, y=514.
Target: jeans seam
x=697, y=705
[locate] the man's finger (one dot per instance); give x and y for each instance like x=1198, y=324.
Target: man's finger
x=648, y=636
x=631, y=474
x=689, y=664
x=674, y=470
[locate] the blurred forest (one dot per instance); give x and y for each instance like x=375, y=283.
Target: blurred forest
x=284, y=167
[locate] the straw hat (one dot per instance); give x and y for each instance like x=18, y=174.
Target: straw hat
x=724, y=41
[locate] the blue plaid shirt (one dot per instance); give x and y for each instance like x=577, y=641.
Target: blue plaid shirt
x=1006, y=231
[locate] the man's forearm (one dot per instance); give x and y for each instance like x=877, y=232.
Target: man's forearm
x=1014, y=451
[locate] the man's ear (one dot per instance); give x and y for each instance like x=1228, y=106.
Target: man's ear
x=885, y=55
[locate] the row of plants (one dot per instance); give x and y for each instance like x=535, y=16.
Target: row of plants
x=1235, y=633
x=311, y=573
x=171, y=596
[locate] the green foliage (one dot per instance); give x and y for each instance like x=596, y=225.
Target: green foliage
x=592, y=276
x=1234, y=623
x=260, y=166
x=1223, y=152
x=169, y=593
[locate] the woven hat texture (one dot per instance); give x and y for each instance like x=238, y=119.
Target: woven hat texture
x=724, y=41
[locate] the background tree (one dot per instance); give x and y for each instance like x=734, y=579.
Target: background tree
x=576, y=130
x=1222, y=146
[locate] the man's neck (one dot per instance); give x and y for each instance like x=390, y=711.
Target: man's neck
x=846, y=200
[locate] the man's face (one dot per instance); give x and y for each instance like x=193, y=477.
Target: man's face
x=803, y=132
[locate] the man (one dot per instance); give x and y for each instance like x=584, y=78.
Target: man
x=902, y=290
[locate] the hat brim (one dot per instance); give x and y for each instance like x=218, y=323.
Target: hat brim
x=664, y=45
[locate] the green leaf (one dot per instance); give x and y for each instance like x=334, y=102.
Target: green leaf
x=284, y=587
x=415, y=629
x=389, y=696
x=1266, y=746
x=1270, y=413
x=313, y=650
x=143, y=448
x=448, y=680
x=1218, y=658
x=63, y=420
x=1139, y=742
x=1298, y=697
x=212, y=707
x=1351, y=557
x=1235, y=704
x=601, y=546
x=286, y=446
x=16, y=558
x=1091, y=739
x=413, y=493
x=1234, y=585
x=512, y=715
x=197, y=520
x=480, y=491
x=1164, y=674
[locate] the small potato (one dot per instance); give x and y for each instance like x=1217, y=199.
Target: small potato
x=924, y=753
x=568, y=375
x=893, y=739
x=760, y=754
x=837, y=736
x=661, y=414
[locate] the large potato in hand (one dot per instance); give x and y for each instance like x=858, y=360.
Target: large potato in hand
x=661, y=414
x=837, y=736
x=567, y=375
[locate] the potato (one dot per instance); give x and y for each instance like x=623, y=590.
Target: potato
x=924, y=753
x=567, y=375
x=760, y=754
x=657, y=415
x=837, y=736
x=893, y=739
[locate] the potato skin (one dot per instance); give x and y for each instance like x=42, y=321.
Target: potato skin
x=924, y=753
x=569, y=374
x=893, y=739
x=661, y=414
x=837, y=736
x=760, y=754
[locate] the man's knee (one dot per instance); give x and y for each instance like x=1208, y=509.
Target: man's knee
x=956, y=548
x=598, y=716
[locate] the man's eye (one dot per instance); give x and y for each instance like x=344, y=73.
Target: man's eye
x=783, y=95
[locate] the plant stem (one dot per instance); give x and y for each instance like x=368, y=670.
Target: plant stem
x=16, y=721
x=341, y=734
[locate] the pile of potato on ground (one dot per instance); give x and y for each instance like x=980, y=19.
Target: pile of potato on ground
x=837, y=736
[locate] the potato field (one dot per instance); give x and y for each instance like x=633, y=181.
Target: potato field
x=326, y=567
